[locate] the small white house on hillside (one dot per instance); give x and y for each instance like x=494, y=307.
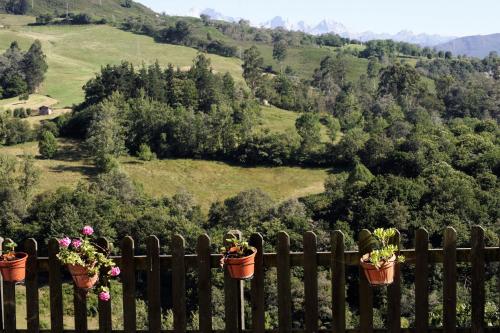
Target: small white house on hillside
x=45, y=111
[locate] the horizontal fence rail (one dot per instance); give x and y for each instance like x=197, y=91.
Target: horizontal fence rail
x=203, y=263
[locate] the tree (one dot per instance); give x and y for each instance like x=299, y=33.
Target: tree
x=18, y=7
x=252, y=64
x=47, y=145
x=30, y=176
x=333, y=127
x=373, y=67
x=399, y=81
x=280, y=50
x=34, y=66
x=348, y=110
x=106, y=136
x=308, y=127
x=331, y=73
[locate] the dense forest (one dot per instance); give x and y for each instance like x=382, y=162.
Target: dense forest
x=408, y=146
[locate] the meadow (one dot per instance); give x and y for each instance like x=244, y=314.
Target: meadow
x=208, y=181
x=76, y=53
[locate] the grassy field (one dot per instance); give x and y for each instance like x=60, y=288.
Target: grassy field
x=34, y=102
x=208, y=181
x=76, y=53
x=8, y=21
x=112, y=10
x=283, y=121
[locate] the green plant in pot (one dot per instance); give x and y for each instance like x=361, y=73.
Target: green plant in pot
x=88, y=263
x=239, y=258
x=379, y=264
x=12, y=263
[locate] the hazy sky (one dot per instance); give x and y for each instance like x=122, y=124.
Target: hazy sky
x=445, y=17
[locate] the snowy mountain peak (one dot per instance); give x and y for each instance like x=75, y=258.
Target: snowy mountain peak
x=331, y=26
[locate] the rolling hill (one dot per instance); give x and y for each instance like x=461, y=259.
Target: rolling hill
x=473, y=46
x=76, y=53
x=111, y=10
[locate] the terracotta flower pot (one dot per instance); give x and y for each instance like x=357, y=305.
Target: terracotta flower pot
x=14, y=270
x=381, y=276
x=81, y=277
x=241, y=268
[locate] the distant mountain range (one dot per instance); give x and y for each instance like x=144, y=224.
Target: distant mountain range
x=473, y=46
x=331, y=26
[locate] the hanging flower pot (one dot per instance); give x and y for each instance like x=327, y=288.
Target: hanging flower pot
x=13, y=264
x=239, y=258
x=88, y=263
x=81, y=277
x=379, y=265
x=378, y=276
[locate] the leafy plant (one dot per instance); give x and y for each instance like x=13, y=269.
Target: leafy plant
x=10, y=254
x=236, y=248
x=385, y=251
x=81, y=251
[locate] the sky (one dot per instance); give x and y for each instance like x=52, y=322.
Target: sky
x=444, y=17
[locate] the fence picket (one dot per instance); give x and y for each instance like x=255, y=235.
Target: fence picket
x=365, y=245
x=477, y=281
x=1, y=293
x=10, y=305
x=55, y=286
x=284, y=283
x=394, y=293
x=154, y=300
x=310, y=282
x=450, y=281
x=257, y=295
x=105, y=324
x=128, y=285
x=80, y=304
x=422, y=281
x=204, y=284
x=32, y=298
x=338, y=282
x=178, y=283
x=233, y=295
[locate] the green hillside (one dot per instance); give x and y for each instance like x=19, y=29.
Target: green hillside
x=208, y=181
x=76, y=53
x=112, y=10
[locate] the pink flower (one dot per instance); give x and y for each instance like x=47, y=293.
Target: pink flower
x=87, y=230
x=115, y=271
x=76, y=243
x=104, y=296
x=64, y=242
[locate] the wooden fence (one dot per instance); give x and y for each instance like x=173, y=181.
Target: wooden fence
x=310, y=259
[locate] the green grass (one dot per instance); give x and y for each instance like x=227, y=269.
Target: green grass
x=283, y=121
x=34, y=102
x=305, y=60
x=76, y=53
x=208, y=181
x=278, y=120
x=109, y=9
x=15, y=20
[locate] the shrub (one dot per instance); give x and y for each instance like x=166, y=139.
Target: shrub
x=47, y=145
x=145, y=153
